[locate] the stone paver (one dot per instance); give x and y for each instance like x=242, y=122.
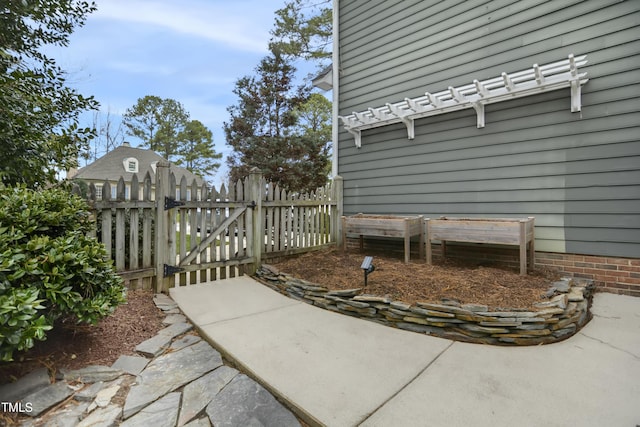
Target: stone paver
x=198, y=394
x=130, y=364
x=154, y=346
x=176, y=329
x=104, y=396
x=102, y=417
x=246, y=403
x=26, y=385
x=92, y=374
x=45, y=398
x=164, y=302
x=183, y=342
x=200, y=422
x=89, y=392
x=174, y=318
x=184, y=366
x=162, y=413
x=70, y=415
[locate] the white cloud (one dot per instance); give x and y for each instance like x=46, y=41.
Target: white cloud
x=136, y=67
x=236, y=24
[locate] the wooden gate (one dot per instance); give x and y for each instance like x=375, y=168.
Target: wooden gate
x=210, y=234
x=182, y=234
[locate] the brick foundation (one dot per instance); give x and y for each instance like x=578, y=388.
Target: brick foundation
x=609, y=274
x=616, y=275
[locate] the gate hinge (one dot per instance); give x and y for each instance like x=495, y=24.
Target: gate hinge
x=252, y=205
x=170, y=270
x=170, y=203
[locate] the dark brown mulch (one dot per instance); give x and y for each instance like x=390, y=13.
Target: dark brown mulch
x=77, y=346
x=417, y=281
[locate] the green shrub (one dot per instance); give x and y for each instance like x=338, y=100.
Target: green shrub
x=49, y=268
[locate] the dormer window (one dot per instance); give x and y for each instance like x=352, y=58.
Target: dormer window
x=131, y=165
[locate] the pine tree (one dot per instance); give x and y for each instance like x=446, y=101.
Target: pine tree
x=157, y=123
x=264, y=130
x=303, y=29
x=163, y=125
x=197, y=150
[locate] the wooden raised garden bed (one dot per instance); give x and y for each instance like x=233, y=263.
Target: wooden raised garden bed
x=385, y=226
x=502, y=231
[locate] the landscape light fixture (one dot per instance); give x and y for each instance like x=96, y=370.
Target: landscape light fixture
x=368, y=267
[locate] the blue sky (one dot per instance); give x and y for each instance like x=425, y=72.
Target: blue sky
x=192, y=51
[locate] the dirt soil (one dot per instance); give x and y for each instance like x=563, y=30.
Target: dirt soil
x=498, y=288
x=77, y=346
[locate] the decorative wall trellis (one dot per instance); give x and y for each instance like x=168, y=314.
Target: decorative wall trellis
x=176, y=234
x=533, y=81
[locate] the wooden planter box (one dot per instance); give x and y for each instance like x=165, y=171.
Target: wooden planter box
x=385, y=226
x=503, y=231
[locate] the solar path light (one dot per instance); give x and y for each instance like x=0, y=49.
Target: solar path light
x=368, y=267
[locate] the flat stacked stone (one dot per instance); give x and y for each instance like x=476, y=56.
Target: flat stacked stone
x=561, y=314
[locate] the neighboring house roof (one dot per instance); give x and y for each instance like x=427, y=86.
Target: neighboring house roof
x=115, y=164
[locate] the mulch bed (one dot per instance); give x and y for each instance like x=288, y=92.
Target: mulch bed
x=493, y=286
x=73, y=346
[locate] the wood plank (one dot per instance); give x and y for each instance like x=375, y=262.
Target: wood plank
x=277, y=241
x=134, y=225
x=507, y=231
x=184, y=215
x=301, y=223
x=296, y=251
x=220, y=237
x=231, y=230
x=295, y=230
x=288, y=213
x=142, y=273
x=383, y=226
x=120, y=227
x=313, y=225
x=172, y=220
x=212, y=222
x=268, y=211
x=193, y=229
x=147, y=215
x=105, y=217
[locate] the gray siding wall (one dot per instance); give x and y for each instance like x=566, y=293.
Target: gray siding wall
x=577, y=173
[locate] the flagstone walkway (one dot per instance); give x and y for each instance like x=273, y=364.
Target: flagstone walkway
x=178, y=379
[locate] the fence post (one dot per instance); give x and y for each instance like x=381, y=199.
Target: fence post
x=257, y=228
x=162, y=252
x=336, y=211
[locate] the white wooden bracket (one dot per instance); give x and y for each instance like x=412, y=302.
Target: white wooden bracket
x=535, y=80
x=357, y=135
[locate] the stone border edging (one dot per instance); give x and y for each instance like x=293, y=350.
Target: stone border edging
x=561, y=315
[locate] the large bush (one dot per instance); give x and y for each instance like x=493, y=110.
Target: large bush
x=49, y=269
